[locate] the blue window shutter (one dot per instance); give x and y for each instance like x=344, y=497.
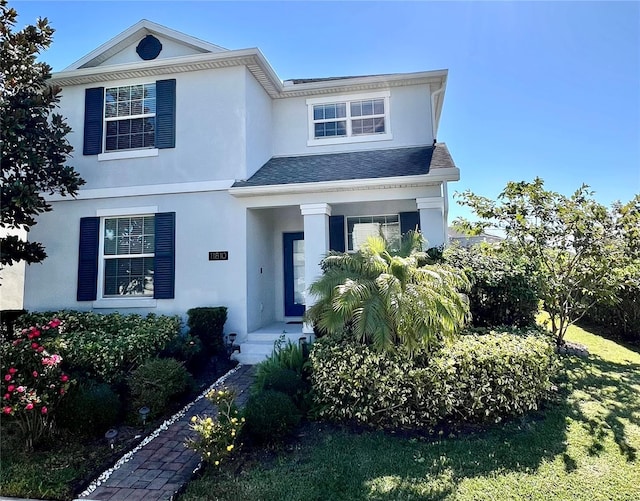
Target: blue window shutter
x=88, y=258
x=164, y=261
x=409, y=221
x=336, y=233
x=166, y=113
x=93, y=110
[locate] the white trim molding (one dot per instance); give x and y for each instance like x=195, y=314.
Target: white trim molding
x=148, y=189
x=119, y=155
x=132, y=302
x=127, y=211
x=430, y=203
x=315, y=209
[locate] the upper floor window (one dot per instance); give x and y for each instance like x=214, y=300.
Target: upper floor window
x=130, y=121
x=362, y=117
x=130, y=117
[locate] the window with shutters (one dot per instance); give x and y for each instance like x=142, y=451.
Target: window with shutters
x=360, y=228
x=352, y=118
x=127, y=256
x=129, y=117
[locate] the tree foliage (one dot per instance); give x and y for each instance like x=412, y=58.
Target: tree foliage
x=34, y=144
x=570, y=240
x=385, y=299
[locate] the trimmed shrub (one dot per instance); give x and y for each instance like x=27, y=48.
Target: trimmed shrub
x=156, y=382
x=475, y=379
x=187, y=349
x=207, y=323
x=107, y=347
x=90, y=409
x=503, y=290
x=270, y=415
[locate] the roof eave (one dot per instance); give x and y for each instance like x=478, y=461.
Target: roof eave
x=441, y=175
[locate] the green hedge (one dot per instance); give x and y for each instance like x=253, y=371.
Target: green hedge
x=478, y=378
x=207, y=323
x=503, y=290
x=105, y=347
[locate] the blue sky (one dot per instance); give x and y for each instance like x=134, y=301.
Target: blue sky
x=549, y=89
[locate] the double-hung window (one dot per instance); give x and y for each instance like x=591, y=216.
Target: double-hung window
x=360, y=228
x=130, y=117
x=128, y=256
x=356, y=118
x=130, y=121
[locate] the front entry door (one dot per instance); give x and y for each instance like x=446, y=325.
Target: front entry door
x=293, y=244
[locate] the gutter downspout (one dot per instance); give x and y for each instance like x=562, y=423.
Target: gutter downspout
x=445, y=195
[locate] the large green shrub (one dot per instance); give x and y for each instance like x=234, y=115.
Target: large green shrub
x=503, y=290
x=156, y=382
x=477, y=378
x=270, y=415
x=91, y=408
x=207, y=323
x=107, y=347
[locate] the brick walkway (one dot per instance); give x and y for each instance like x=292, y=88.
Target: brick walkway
x=164, y=465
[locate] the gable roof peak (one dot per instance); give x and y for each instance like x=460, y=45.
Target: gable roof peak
x=137, y=31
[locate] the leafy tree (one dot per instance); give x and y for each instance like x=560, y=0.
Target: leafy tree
x=569, y=240
x=384, y=299
x=33, y=137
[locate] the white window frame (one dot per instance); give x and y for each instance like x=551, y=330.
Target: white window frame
x=103, y=301
x=144, y=151
x=346, y=226
x=349, y=138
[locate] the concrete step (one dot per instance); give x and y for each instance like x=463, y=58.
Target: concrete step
x=259, y=346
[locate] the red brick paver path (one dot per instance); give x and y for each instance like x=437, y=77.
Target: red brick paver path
x=163, y=466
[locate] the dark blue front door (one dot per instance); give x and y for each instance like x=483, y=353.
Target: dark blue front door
x=293, y=245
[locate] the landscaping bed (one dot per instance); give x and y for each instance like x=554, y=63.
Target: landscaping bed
x=583, y=446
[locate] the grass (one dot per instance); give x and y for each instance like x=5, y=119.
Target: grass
x=583, y=447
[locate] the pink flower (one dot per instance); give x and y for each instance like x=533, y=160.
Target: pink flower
x=44, y=410
x=17, y=342
x=35, y=373
x=35, y=333
x=61, y=391
x=64, y=378
x=20, y=389
x=30, y=336
x=7, y=410
x=7, y=396
x=29, y=406
x=10, y=388
x=54, y=323
x=13, y=370
x=35, y=345
x=40, y=349
x=8, y=377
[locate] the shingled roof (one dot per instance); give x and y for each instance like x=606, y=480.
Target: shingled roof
x=354, y=165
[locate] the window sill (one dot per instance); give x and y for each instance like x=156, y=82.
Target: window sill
x=119, y=155
x=132, y=302
x=353, y=139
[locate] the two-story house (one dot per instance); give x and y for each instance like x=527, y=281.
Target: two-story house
x=209, y=181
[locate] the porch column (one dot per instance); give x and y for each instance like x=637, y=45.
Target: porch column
x=316, y=247
x=432, y=220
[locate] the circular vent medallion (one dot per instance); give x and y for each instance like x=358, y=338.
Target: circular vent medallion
x=149, y=48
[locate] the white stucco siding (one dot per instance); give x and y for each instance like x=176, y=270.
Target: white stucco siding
x=210, y=133
x=204, y=222
x=259, y=126
x=260, y=269
x=409, y=123
x=170, y=48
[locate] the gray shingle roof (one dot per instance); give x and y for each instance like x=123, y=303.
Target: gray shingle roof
x=354, y=165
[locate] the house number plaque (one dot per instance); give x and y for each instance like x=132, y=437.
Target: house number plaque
x=219, y=256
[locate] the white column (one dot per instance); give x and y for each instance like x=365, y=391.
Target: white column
x=316, y=247
x=432, y=220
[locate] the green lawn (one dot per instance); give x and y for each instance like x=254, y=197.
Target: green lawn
x=585, y=447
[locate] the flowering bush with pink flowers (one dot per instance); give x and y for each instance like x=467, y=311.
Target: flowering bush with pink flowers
x=32, y=381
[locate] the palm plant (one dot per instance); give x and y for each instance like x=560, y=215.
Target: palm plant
x=387, y=299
